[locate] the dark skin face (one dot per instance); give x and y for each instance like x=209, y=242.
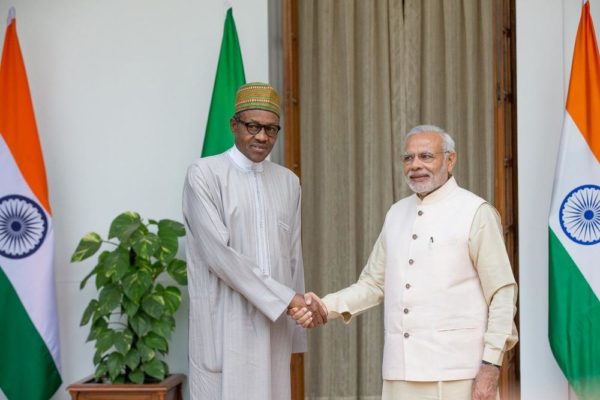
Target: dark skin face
x=254, y=147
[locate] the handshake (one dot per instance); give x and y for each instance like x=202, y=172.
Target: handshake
x=307, y=310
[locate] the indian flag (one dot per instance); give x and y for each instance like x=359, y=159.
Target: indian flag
x=574, y=276
x=29, y=345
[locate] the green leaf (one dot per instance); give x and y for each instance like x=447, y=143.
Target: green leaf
x=137, y=284
x=171, y=228
x=146, y=245
x=162, y=327
x=155, y=341
x=153, y=305
x=177, y=269
x=132, y=359
x=98, y=357
x=105, y=340
x=122, y=341
x=146, y=353
x=136, y=376
x=100, y=316
x=130, y=307
x=172, y=296
x=88, y=246
x=110, y=298
x=155, y=369
x=158, y=268
x=140, y=323
x=102, y=279
x=167, y=249
x=115, y=365
x=88, y=312
x=152, y=222
x=100, y=371
x=124, y=225
x=98, y=326
x=168, y=232
x=87, y=277
x=116, y=264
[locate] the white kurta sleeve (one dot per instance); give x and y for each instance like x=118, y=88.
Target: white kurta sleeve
x=367, y=292
x=207, y=239
x=299, y=340
x=488, y=253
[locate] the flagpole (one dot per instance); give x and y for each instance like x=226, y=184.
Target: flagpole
x=12, y=14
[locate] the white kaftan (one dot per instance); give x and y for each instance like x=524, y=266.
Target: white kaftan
x=244, y=266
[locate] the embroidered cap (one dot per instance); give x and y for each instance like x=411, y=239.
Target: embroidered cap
x=257, y=96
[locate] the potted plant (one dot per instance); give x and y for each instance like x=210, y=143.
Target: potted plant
x=131, y=319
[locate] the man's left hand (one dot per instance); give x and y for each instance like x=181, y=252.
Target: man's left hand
x=485, y=386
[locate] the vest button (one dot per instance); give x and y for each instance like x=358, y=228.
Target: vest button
x=406, y=334
x=407, y=286
x=411, y=261
x=420, y=213
x=414, y=236
x=406, y=311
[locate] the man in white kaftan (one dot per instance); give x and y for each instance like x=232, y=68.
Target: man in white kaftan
x=242, y=215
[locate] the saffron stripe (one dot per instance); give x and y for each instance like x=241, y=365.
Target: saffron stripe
x=584, y=87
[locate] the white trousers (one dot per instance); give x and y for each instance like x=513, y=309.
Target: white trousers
x=443, y=390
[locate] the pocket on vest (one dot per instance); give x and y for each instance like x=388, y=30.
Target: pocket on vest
x=461, y=348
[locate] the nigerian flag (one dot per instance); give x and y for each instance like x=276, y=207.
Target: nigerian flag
x=574, y=249
x=29, y=354
x=230, y=76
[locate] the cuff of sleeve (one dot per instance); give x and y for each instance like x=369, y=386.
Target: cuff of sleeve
x=336, y=309
x=492, y=356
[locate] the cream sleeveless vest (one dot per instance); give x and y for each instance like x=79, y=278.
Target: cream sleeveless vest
x=435, y=311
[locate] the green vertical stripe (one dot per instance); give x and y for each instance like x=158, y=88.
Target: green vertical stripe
x=230, y=76
x=27, y=369
x=574, y=323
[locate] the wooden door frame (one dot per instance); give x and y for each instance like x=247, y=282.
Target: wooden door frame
x=505, y=134
x=291, y=144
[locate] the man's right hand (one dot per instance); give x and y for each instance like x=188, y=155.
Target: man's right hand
x=308, y=311
x=299, y=310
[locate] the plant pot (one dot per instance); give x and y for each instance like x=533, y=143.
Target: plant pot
x=168, y=389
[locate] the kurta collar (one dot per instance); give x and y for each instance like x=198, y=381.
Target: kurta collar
x=244, y=162
x=441, y=193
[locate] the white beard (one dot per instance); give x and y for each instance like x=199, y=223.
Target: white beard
x=434, y=182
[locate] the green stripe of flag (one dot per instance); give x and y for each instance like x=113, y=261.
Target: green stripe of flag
x=230, y=76
x=574, y=323
x=24, y=356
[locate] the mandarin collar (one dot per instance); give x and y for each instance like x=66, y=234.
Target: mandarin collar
x=440, y=193
x=244, y=162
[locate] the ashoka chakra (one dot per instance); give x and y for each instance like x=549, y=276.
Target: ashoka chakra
x=23, y=226
x=579, y=215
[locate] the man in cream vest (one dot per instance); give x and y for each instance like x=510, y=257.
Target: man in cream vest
x=441, y=268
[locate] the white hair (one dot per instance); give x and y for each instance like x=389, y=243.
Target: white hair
x=448, y=141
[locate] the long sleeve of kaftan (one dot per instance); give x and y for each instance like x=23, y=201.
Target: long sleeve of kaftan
x=366, y=293
x=207, y=237
x=488, y=253
x=299, y=344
